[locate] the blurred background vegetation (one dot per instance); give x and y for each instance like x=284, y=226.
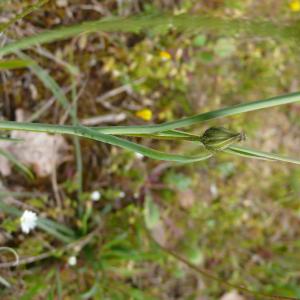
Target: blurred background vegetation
x=237, y=218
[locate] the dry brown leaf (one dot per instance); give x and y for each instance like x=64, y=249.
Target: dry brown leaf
x=41, y=151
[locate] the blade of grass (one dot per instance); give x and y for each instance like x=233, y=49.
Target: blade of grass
x=71, y=68
x=116, y=141
x=55, y=233
x=78, y=154
x=47, y=80
x=59, y=285
x=156, y=128
x=57, y=226
x=19, y=166
x=46, y=106
x=21, y=194
x=160, y=23
x=28, y=10
x=11, y=64
x=199, y=118
x=167, y=126
x=252, y=153
x=170, y=135
x=53, y=86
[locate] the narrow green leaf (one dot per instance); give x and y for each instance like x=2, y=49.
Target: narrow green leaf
x=113, y=140
x=200, y=118
x=170, y=135
x=89, y=133
x=11, y=64
x=21, y=167
x=47, y=80
x=252, y=153
x=116, y=141
x=28, y=10
x=57, y=226
x=91, y=292
x=59, y=285
x=160, y=23
x=168, y=126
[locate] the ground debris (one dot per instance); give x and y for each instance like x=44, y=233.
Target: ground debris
x=41, y=151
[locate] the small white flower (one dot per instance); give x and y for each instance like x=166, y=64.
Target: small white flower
x=122, y=194
x=96, y=196
x=139, y=155
x=72, y=261
x=28, y=221
x=214, y=190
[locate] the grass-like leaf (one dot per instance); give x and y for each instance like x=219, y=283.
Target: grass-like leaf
x=200, y=118
x=160, y=23
x=252, y=153
x=47, y=80
x=11, y=64
x=19, y=166
x=116, y=141
x=105, y=138
x=28, y=10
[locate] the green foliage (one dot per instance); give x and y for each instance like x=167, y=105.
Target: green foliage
x=10, y=225
x=11, y=64
x=26, y=11
x=233, y=231
x=18, y=165
x=159, y=23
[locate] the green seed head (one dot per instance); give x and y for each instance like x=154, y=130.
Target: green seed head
x=219, y=138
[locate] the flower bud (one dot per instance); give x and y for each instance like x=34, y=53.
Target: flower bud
x=220, y=138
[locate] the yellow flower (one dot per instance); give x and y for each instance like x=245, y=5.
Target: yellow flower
x=164, y=55
x=295, y=5
x=145, y=114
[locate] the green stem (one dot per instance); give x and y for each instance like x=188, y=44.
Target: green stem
x=97, y=135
